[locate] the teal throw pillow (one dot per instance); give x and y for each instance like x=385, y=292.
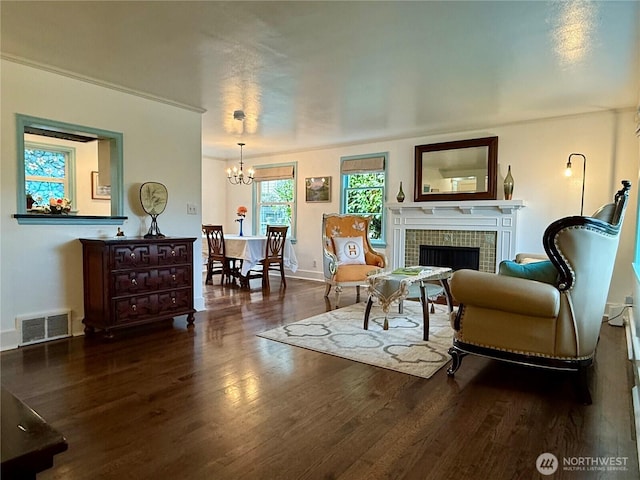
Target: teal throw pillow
x=540, y=271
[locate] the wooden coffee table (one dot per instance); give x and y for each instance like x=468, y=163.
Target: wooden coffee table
x=389, y=286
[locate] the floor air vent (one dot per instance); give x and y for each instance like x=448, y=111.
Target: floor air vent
x=42, y=328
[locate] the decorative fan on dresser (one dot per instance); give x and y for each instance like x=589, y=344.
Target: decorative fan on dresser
x=153, y=197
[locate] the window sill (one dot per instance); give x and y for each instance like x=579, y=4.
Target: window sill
x=61, y=219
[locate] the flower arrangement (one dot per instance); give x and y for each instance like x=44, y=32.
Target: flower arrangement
x=58, y=205
x=241, y=212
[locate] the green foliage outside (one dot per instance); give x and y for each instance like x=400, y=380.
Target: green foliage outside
x=364, y=195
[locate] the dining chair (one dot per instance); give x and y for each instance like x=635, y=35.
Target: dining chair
x=217, y=260
x=273, y=257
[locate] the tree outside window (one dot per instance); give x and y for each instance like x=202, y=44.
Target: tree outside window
x=363, y=191
x=364, y=195
x=47, y=172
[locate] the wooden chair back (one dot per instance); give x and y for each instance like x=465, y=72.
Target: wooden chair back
x=215, y=241
x=276, y=236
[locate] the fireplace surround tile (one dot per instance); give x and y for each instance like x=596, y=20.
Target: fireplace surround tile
x=490, y=225
x=484, y=240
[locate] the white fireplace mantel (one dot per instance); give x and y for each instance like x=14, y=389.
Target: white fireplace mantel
x=467, y=207
x=498, y=216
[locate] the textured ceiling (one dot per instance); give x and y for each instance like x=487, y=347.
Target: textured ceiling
x=314, y=74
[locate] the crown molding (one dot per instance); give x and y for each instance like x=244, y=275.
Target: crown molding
x=100, y=83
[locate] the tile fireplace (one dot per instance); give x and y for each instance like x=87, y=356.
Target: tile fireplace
x=488, y=225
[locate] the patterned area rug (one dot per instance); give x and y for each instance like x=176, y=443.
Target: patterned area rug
x=340, y=332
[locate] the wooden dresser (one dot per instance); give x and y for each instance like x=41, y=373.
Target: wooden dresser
x=132, y=281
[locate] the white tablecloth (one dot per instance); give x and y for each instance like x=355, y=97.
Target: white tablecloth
x=251, y=250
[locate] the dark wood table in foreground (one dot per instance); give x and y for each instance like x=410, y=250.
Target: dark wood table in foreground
x=28, y=441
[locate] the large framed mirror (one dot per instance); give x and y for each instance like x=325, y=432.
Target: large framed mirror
x=458, y=170
x=80, y=165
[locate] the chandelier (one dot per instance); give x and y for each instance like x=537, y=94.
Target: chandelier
x=237, y=175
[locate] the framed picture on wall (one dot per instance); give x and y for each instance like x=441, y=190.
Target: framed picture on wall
x=99, y=192
x=317, y=189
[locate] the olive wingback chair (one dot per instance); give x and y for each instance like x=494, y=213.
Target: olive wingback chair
x=551, y=321
x=347, y=252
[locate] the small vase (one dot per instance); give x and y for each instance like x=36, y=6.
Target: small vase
x=400, y=196
x=241, y=220
x=508, y=185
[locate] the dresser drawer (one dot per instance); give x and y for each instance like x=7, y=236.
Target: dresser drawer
x=176, y=301
x=134, y=281
x=131, y=282
x=174, y=253
x=173, y=277
x=135, y=309
x=131, y=256
x=142, y=307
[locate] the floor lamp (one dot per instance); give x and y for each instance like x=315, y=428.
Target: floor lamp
x=568, y=172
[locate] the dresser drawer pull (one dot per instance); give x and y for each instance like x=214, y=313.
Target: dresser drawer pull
x=173, y=300
x=133, y=307
x=133, y=255
x=173, y=253
x=134, y=282
x=173, y=277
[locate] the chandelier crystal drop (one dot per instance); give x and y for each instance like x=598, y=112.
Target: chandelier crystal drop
x=237, y=176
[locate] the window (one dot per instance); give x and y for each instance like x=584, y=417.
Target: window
x=363, y=191
x=49, y=172
x=109, y=158
x=275, y=194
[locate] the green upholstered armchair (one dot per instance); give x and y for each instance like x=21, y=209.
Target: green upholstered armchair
x=554, y=325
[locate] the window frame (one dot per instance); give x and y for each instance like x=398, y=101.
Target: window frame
x=292, y=234
x=382, y=241
x=70, y=172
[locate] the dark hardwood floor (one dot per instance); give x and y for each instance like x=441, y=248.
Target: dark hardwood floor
x=218, y=402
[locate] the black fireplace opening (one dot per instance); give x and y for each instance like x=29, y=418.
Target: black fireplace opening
x=455, y=258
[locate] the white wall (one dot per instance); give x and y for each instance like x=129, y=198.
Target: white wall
x=537, y=152
x=41, y=265
x=214, y=184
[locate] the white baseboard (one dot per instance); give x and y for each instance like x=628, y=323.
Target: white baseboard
x=9, y=339
x=198, y=304
x=306, y=275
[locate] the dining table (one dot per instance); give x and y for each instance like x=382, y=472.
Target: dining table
x=251, y=249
